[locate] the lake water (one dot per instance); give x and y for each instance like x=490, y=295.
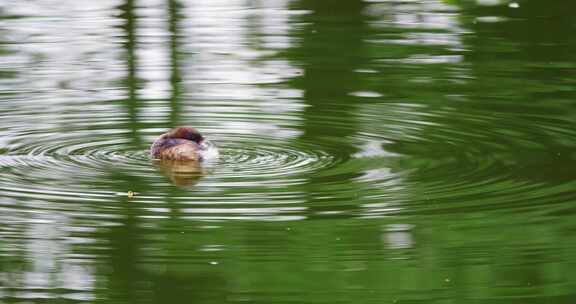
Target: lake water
x=379, y=151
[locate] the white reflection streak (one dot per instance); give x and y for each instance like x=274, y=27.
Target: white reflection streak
x=438, y=17
x=65, y=56
x=398, y=236
x=75, y=48
x=152, y=51
x=230, y=80
x=65, y=48
x=48, y=269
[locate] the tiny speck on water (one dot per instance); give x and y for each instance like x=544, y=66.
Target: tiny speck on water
x=513, y=5
x=213, y=263
x=130, y=194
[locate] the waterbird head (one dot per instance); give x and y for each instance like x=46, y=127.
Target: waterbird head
x=186, y=133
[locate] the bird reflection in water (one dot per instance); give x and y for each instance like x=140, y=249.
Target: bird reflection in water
x=181, y=173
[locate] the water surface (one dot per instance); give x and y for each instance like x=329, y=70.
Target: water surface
x=371, y=151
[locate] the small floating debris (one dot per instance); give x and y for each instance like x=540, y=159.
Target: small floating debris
x=513, y=5
x=130, y=194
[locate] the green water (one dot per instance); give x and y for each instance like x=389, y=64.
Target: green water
x=370, y=151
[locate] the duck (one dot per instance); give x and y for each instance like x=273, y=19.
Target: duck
x=183, y=144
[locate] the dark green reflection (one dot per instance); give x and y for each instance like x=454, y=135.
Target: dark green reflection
x=330, y=48
x=175, y=16
x=132, y=82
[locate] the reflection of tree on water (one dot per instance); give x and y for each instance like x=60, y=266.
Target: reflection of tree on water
x=174, y=7
x=330, y=49
x=132, y=80
x=125, y=239
x=330, y=56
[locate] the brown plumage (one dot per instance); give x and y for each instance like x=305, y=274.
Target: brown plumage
x=182, y=143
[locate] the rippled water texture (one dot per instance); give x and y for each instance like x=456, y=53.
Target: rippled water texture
x=387, y=151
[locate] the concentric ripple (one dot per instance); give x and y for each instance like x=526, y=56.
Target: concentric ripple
x=415, y=160
x=273, y=162
x=77, y=163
